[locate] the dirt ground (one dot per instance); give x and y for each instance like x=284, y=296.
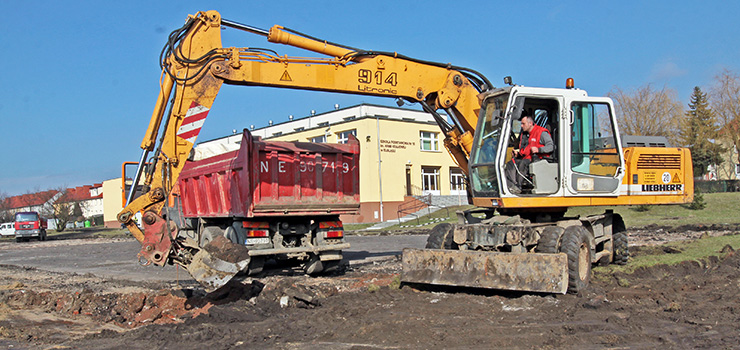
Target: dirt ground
x=691, y=305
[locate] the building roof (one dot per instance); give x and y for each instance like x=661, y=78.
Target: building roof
x=75, y=194
x=327, y=119
x=79, y=193
x=29, y=199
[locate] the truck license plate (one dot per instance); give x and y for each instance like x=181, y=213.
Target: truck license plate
x=262, y=240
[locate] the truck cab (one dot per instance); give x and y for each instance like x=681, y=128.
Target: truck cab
x=30, y=225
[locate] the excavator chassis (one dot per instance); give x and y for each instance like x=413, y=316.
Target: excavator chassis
x=512, y=253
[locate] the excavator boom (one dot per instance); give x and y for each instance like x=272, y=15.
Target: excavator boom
x=194, y=67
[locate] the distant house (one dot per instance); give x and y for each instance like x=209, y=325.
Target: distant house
x=89, y=198
x=39, y=202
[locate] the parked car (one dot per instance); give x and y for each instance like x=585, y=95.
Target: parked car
x=7, y=229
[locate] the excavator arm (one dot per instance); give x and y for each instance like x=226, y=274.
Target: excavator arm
x=195, y=65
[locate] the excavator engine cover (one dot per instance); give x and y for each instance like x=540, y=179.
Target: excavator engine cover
x=533, y=272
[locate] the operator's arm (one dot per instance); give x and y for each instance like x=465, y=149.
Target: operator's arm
x=546, y=140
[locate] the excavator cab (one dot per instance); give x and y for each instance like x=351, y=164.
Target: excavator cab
x=587, y=156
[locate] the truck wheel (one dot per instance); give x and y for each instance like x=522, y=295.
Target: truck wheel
x=256, y=265
x=441, y=237
x=576, y=246
x=620, y=244
x=314, y=265
x=209, y=233
x=549, y=238
x=331, y=265
x=231, y=234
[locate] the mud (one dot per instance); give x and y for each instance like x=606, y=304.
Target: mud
x=691, y=305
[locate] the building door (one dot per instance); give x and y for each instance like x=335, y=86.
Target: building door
x=457, y=182
x=408, y=181
x=430, y=180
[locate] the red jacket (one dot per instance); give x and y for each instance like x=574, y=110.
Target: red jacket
x=534, y=141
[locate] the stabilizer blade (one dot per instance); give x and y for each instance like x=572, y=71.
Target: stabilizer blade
x=533, y=272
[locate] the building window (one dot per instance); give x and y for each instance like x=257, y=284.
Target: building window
x=457, y=181
x=277, y=133
x=343, y=137
x=324, y=124
x=300, y=129
x=319, y=139
x=429, y=141
x=349, y=118
x=430, y=180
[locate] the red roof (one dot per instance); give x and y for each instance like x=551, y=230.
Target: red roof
x=80, y=193
x=29, y=199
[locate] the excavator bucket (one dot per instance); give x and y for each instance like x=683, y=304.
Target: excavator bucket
x=533, y=272
x=218, y=262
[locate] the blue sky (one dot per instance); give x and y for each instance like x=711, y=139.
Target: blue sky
x=80, y=78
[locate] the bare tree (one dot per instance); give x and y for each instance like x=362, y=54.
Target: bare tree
x=5, y=214
x=68, y=207
x=725, y=99
x=648, y=112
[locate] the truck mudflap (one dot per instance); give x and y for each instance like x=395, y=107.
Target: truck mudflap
x=217, y=263
x=532, y=272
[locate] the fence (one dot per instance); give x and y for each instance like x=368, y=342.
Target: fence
x=717, y=186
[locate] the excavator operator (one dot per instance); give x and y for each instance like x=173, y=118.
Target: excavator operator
x=534, y=142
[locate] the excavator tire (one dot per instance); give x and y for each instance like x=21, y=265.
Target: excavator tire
x=441, y=237
x=619, y=237
x=549, y=238
x=575, y=245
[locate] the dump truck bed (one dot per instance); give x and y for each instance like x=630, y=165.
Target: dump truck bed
x=270, y=178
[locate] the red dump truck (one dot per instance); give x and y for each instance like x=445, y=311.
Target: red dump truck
x=30, y=224
x=283, y=200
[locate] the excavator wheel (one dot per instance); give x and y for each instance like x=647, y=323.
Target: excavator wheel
x=576, y=246
x=549, y=239
x=619, y=237
x=441, y=237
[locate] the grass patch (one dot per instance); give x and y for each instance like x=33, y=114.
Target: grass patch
x=696, y=250
x=721, y=208
x=448, y=214
x=357, y=227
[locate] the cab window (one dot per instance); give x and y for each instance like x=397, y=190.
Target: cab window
x=593, y=141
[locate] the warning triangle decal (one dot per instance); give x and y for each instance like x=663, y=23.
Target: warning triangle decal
x=286, y=77
x=676, y=179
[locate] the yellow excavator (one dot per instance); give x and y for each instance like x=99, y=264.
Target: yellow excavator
x=529, y=245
